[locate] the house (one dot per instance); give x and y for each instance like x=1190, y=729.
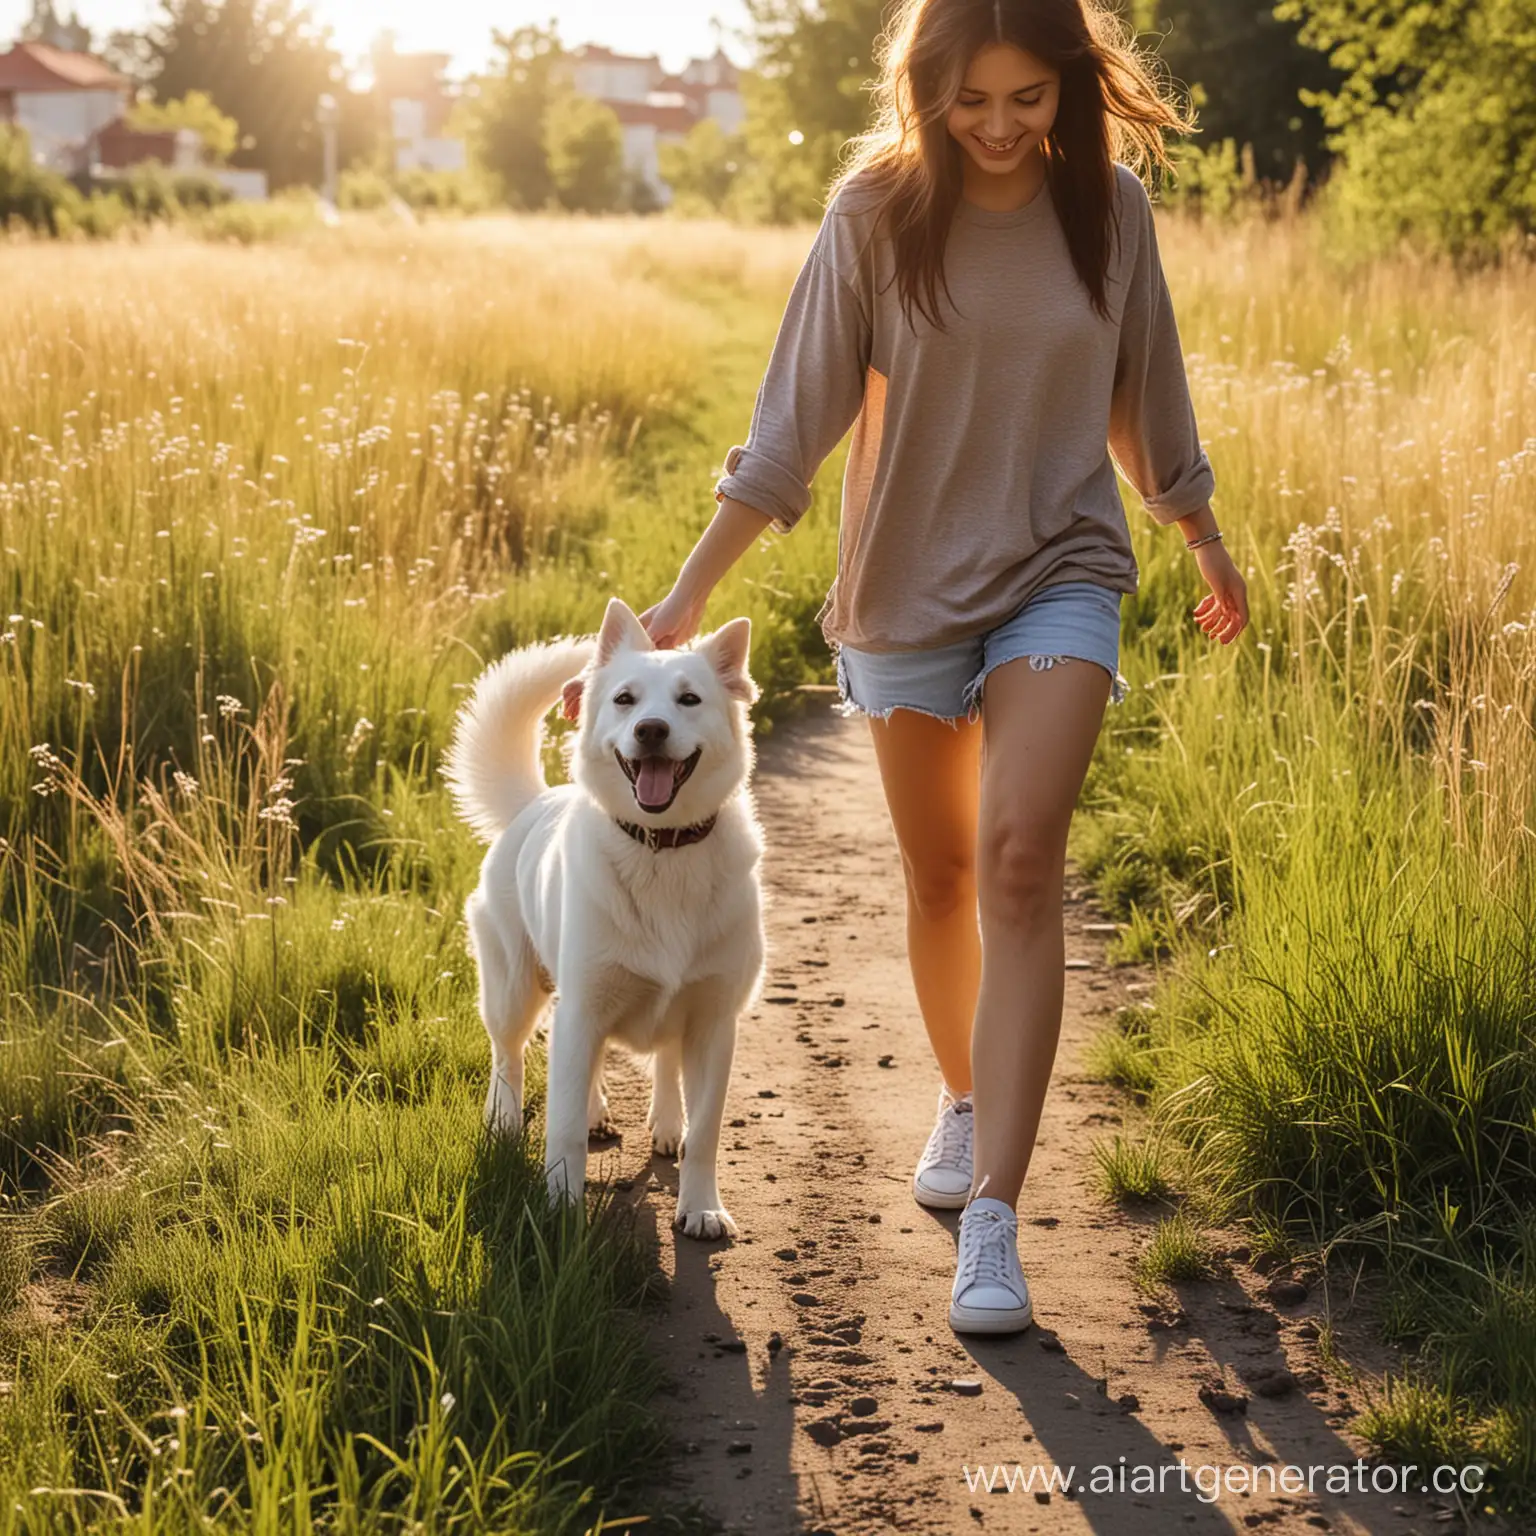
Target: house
x=653, y=107
x=63, y=99
x=418, y=103
x=74, y=110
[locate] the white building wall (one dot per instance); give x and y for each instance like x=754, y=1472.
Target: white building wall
x=248, y=186
x=415, y=149
x=61, y=123
x=431, y=155
x=640, y=141
x=617, y=82
x=726, y=107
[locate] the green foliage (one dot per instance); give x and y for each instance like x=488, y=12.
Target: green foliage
x=1221, y=183
x=584, y=148
x=219, y=132
x=363, y=189
x=703, y=168
x=1435, y=118
x=504, y=117
x=261, y=62
x=466, y=191
x=46, y=203
x=807, y=97
x=1247, y=71
x=29, y=195
x=151, y=190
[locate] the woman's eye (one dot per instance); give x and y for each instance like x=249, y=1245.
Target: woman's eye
x=626, y=697
x=690, y=698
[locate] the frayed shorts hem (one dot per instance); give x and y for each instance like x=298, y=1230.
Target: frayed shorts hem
x=1070, y=621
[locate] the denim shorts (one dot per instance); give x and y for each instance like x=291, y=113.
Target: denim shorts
x=1070, y=621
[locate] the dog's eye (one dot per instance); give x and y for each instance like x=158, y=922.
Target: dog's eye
x=624, y=696
x=690, y=698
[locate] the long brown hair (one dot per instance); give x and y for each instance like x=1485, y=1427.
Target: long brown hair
x=1109, y=108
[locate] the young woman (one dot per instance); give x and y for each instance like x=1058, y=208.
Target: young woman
x=983, y=546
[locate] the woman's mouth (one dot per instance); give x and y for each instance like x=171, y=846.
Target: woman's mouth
x=998, y=148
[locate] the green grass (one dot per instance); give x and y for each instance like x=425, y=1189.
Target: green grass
x=1178, y=1251
x=1130, y=1170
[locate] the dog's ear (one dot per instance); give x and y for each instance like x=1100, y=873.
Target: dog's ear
x=621, y=631
x=727, y=650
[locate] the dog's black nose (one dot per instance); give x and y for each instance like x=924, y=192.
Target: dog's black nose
x=651, y=734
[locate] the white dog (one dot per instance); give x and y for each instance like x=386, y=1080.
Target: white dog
x=631, y=892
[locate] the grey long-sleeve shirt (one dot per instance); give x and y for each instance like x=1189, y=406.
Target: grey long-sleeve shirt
x=979, y=469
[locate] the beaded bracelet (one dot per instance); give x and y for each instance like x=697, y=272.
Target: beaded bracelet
x=1205, y=539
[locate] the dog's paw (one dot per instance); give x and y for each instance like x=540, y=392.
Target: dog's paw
x=706, y=1225
x=603, y=1129
x=667, y=1137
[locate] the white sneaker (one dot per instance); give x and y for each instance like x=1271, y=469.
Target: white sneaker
x=990, y=1294
x=943, y=1177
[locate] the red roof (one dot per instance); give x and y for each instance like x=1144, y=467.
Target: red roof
x=667, y=119
x=37, y=67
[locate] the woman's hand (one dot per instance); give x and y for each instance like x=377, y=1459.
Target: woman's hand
x=676, y=618
x=1223, y=613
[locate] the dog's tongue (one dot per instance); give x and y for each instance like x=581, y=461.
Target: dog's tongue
x=653, y=783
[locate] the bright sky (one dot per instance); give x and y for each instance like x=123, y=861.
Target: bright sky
x=675, y=29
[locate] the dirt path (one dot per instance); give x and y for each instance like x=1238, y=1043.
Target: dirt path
x=821, y=1388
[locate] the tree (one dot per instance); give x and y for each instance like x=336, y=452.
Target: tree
x=808, y=95
x=220, y=133
x=584, y=148
x=1248, y=71
x=45, y=26
x=1435, y=117
x=504, y=116
x=702, y=169
x=262, y=62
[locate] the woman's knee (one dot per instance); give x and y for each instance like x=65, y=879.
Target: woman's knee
x=1019, y=872
x=938, y=884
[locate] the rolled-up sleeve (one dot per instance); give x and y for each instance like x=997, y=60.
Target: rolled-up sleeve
x=1152, y=431
x=809, y=396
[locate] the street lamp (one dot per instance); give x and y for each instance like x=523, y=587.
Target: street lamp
x=328, y=115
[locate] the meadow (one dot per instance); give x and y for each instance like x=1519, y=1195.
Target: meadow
x=264, y=512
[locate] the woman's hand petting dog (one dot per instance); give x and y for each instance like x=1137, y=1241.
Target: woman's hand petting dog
x=675, y=620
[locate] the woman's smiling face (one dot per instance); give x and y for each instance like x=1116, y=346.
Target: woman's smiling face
x=1005, y=107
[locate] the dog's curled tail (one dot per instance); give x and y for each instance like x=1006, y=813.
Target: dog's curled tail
x=493, y=766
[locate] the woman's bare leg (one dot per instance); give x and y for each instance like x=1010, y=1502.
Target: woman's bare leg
x=931, y=774
x=1039, y=734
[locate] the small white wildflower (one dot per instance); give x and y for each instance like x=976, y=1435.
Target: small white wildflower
x=280, y=813
x=360, y=733
x=230, y=706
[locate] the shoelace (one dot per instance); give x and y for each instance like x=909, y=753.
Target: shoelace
x=950, y=1144
x=985, y=1250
